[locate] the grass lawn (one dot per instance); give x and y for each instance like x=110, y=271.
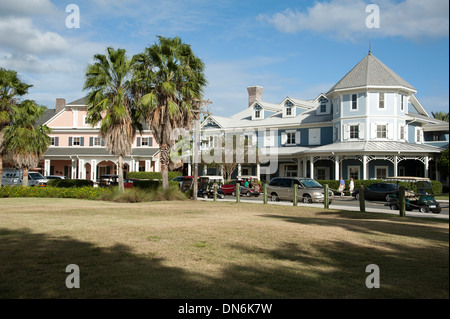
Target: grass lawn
x=190, y=249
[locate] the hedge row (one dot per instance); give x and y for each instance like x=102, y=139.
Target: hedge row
x=152, y=175
x=334, y=185
x=67, y=183
x=53, y=192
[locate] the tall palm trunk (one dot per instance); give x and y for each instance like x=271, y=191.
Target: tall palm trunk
x=1, y=169
x=120, y=173
x=164, y=160
x=25, y=177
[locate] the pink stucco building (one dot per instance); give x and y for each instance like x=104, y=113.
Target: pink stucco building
x=78, y=151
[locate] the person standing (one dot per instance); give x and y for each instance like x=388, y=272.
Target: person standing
x=342, y=186
x=351, y=186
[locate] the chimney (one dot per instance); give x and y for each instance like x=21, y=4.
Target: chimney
x=60, y=104
x=254, y=93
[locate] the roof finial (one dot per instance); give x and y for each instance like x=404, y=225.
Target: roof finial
x=370, y=51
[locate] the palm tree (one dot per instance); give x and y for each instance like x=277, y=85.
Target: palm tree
x=25, y=141
x=443, y=116
x=10, y=88
x=110, y=103
x=168, y=86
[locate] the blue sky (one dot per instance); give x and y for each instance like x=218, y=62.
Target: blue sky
x=291, y=48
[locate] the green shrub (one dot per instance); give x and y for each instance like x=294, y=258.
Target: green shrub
x=53, y=192
x=137, y=195
x=66, y=183
x=152, y=175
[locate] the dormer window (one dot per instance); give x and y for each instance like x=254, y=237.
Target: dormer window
x=289, y=106
x=289, y=111
x=323, y=108
x=258, y=112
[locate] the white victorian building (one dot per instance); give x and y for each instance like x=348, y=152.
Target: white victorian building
x=369, y=125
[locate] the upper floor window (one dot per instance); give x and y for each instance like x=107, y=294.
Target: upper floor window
x=381, y=131
x=354, y=102
x=53, y=141
x=354, y=131
x=323, y=108
x=419, y=133
x=76, y=141
x=257, y=114
x=402, y=132
x=403, y=102
x=291, y=138
x=97, y=141
x=146, y=141
x=289, y=111
x=381, y=100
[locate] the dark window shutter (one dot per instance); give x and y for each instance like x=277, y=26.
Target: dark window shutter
x=82, y=141
x=103, y=142
x=91, y=141
x=138, y=141
x=70, y=141
x=150, y=141
x=56, y=141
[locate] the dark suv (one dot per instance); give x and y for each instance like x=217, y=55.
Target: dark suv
x=378, y=191
x=309, y=191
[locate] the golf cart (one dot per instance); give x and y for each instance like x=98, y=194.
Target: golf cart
x=422, y=199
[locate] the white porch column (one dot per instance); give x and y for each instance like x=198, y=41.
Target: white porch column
x=311, y=166
x=74, y=169
x=205, y=170
x=299, y=167
x=47, y=167
x=132, y=165
x=336, y=168
x=94, y=170
x=365, y=167
x=426, y=166
x=136, y=166
x=239, y=170
x=258, y=171
x=189, y=169
x=157, y=165
x=222, y=171
x=81, y=170
x=148, y=165
x=304, y=162
x=395, y=166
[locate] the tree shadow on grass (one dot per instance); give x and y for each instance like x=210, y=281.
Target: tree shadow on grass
x=33, y=266
x=369, y=223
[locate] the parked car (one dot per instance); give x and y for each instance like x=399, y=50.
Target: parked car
x=129, y=182
x=178, y=179
x=109, y=180
x=14, y=176
x=230, y=188
x=309, y=190
x=378, y=191
x=54, y=177
x=208, y=192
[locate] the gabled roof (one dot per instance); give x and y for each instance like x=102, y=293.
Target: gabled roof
x=371, y=72
x=78, y=102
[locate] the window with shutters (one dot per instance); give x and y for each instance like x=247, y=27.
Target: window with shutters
x=97, y=141
x=76, y=141
x=53, y=141
x=381, y=131
x=354, y=131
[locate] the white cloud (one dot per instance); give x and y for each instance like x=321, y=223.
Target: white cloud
x=346, y=19
x=19, y=34
x=26, y=7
